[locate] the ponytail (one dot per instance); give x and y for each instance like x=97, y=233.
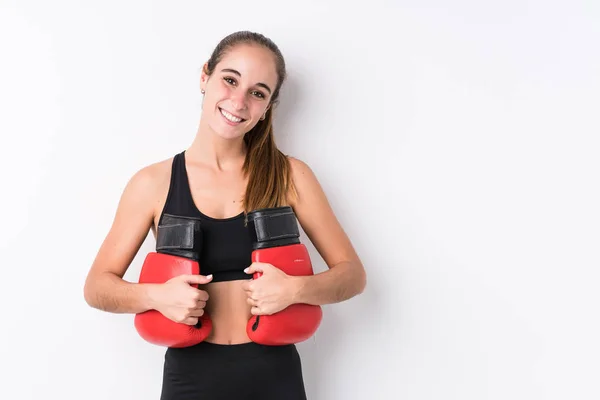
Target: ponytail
x=267, y=168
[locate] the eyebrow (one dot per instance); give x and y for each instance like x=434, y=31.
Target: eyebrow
x=233, y=71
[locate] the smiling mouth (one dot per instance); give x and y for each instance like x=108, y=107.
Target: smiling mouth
x=230, y=117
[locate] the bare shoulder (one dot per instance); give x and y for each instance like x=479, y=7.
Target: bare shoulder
x=303, y=178
x=297, y=165
x=151, y=184
x=152, y=175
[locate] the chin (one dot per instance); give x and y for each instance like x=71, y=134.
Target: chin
x=229, y=137
x=228, y=133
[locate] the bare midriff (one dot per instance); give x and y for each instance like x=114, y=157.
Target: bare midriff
x=229, y=312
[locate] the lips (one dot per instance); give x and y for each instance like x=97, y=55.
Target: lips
x=234, y=119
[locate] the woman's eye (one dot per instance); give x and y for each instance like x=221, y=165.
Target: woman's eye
x=258, y=94
x=230, y=81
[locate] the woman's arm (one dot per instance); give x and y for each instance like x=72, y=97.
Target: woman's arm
x=104, y=287
x=346, y=275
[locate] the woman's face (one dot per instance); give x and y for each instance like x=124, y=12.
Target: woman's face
x=238, y=93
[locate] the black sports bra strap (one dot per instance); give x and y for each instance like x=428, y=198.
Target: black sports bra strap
x=179, y=198
x=183, y=182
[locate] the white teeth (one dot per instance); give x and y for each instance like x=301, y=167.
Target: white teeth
x=230, y=117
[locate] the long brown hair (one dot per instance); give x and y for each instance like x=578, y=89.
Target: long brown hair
x=267, y=168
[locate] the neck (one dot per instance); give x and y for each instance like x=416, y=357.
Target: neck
x=215, y=151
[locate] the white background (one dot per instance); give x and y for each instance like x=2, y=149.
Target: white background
x=457, y=142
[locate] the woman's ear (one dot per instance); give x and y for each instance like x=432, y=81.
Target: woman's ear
x=204, y=77
x=265, y=113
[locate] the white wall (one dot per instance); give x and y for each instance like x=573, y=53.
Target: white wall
x=458, y=145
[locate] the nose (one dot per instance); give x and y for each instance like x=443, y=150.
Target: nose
x=238, y=100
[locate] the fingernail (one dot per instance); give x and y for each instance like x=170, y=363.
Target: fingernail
x=209, y=276
x=246, y=270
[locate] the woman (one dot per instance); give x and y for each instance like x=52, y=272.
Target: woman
x=232, y=167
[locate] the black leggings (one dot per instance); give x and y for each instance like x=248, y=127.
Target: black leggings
x=246, y=371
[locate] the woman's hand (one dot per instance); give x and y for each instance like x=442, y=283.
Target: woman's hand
x=177, y=300
x=271, y=292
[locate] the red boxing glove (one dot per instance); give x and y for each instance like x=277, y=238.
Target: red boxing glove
x=276, y=241
x=177, y=252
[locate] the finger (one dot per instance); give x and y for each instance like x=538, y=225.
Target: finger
x=200, y=305
x=196, y=279
x=248, y=286
x=196, y=312
x=190, y=321
x=251, y=301
x=254, y=267
x=201, y=295
x=255, y=311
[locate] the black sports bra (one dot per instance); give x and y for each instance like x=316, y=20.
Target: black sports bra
x=224, y=245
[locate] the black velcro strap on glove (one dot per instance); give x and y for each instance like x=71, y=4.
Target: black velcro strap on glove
x=179, y=236
x=272, y=227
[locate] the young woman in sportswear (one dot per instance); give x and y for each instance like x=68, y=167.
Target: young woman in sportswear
x=231, y=168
